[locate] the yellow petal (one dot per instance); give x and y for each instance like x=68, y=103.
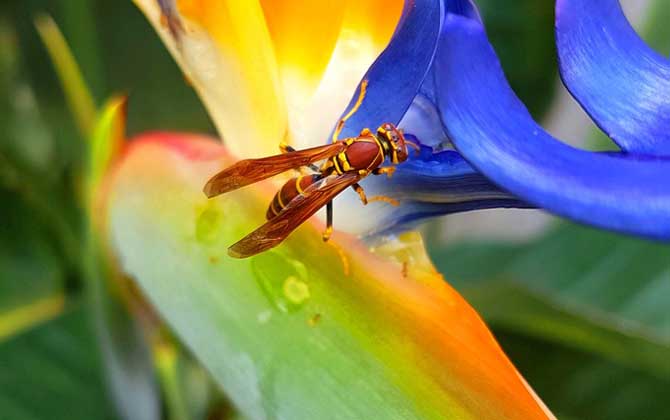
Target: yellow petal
x=304, y=34
x=366, y=29
x=225, y=50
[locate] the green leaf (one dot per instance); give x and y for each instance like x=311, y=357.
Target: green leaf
x=593, y=291
x=32, y=276
x=581, y=385
x=53, y=373
x=106, y=142
x=77, y=93
x=28, y=173
x=522, y=33
x=123, y=330
x=26, y=142
x=656, y=30
x=36, y=241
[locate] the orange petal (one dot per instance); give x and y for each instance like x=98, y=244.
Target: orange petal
x=225, y=50
x=304, y=34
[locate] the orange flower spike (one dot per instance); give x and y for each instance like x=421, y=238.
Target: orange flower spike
x=286, y=332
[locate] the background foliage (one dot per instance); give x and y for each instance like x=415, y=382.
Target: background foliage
x=584, y=314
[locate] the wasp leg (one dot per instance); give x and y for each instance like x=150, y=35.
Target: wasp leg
x=361, y=193
x=389, y=171
x=381, y=198
x=329, y=222
x=285, y=148
x=359, y=101
x=326, y=237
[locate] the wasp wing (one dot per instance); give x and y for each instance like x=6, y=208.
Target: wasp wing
x=301, y=208
x=249, y=171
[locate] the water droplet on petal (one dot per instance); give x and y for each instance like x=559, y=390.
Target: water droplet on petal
x=283, y=281
x=296, y=291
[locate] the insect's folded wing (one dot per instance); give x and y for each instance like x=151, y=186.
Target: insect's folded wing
x=301, y=208
x=249, y=171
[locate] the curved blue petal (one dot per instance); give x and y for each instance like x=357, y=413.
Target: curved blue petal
x=430, y=177
x=620, y=81
x=494, y=131
x=434, y=184
x=396, y=76
x=423, y=121
x=411, y=214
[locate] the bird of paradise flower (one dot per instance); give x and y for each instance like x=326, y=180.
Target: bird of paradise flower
x=272, y=72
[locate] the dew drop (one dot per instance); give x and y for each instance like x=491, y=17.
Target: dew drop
x=296, y=291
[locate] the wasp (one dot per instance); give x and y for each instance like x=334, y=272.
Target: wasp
x=345, y=163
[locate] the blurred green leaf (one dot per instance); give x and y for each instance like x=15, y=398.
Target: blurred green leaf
x=580, y=385
x=32, y=275
x=81, y=27
x=106, y=141
x=53, y=373
x=26, y=141
x=593, y=291
x=76, y=91
x=657, y=30
x=124, y=340
x=38, y=249
x=27, y=154
x=522, y=34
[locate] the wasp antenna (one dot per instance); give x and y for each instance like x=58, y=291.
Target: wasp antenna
x=414, y=146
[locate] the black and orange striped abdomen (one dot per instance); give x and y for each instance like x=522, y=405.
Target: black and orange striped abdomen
x=290, y=190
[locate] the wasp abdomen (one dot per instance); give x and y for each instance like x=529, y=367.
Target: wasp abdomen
x=290, y=190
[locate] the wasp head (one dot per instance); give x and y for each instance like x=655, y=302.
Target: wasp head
x=397, y=150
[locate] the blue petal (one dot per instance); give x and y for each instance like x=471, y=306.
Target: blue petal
x=397, y=74
x=424, y=122
x=494, y=131
x=434, y=184
x=622, y=83
x=431, y=184
x=411, y=214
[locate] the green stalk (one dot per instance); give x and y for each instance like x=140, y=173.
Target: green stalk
x=77, y=93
